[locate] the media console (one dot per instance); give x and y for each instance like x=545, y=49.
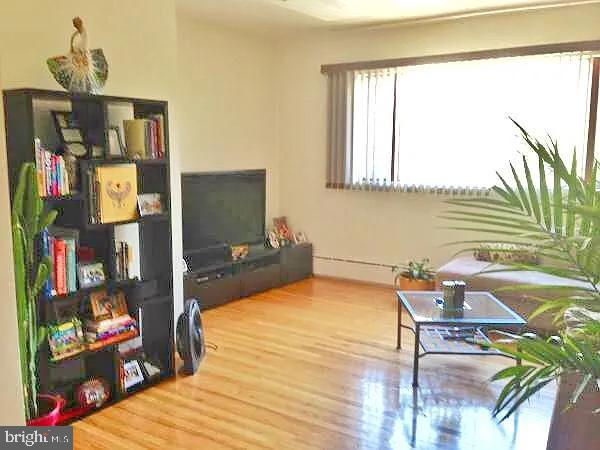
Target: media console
x=214, y=284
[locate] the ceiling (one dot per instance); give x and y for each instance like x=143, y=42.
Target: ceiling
x=284, y=16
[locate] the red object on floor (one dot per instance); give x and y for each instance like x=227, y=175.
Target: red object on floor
x=55, y=403
x=73, y=413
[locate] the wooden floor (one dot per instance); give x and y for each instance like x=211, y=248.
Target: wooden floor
x=314, y=365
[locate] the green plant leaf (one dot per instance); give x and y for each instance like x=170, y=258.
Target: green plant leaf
x=545, y=195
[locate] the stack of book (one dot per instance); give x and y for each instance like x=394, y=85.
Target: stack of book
x=52, y=175
x=60, y=246
x=109, y=330
x=145, y=138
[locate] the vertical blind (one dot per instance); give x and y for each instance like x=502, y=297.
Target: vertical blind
x=445, y=126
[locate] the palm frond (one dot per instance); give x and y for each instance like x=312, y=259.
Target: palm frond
x=559, y=214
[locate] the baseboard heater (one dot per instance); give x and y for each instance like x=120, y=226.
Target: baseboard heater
x=354, y=261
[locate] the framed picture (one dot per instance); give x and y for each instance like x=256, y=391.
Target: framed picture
x=116, y=148
x=90, y=274
x=300, y=237
x=132, y=374
x=70, y=133
x=272, y=239
x=106, y=306
x=149, y=204
x=76, y=149
x=282, y=229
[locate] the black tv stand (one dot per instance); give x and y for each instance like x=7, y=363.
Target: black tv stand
x=221, y=281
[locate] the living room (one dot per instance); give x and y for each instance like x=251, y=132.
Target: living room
x=248, y=86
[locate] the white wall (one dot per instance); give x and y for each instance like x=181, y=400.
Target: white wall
x=11, y=393
x=228, y=102
x=139, y=40
x=373, y=226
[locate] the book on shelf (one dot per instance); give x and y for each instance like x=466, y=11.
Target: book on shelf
x=113, y=193
x=52, y=175
x=59, y=245
x=127, y=246
x=145, y=137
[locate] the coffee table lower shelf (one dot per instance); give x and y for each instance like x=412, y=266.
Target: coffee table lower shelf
x=436, y=340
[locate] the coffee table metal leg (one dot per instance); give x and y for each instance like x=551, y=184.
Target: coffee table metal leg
x=399, y=337
x=415, y=382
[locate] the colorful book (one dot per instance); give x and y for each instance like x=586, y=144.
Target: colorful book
x=40, y=167
x=60, y=266
x=47, y=288
x=107, y=324
x=71, y=265
x=51, y=253
x=48, y=165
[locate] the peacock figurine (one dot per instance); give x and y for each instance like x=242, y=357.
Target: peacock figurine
x=81, y=70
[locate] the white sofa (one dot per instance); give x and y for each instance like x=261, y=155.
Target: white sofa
x=467, y=267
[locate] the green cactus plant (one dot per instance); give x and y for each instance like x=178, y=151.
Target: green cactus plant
x=28, y=220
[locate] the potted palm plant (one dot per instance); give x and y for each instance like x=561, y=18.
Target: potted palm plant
x=414, y=276
x=28, y=220
x=560, y=215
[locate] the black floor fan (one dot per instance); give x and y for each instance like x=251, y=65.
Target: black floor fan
x=190, y=337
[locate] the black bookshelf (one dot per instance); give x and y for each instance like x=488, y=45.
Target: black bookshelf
x=28, y=116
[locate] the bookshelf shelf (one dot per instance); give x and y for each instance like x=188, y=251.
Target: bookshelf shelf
x=149, y=295
x=109, y=285
x=62, y=198
x=139, y=162
x=85, y=353
x=153, y=218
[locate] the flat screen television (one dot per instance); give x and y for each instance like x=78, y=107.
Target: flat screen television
x=222, y=208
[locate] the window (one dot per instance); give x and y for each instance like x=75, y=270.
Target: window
x=447, y=124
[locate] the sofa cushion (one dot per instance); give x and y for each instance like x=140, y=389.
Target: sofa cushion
x=466, y=268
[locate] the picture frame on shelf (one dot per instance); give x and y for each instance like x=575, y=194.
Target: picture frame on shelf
x=150, y=204
x=282, y=229
x=273, y=239
x=300, y=238
x=106, y=306
x=116, y=147
x=132, y=374
x=70, y=134
x=90, y=274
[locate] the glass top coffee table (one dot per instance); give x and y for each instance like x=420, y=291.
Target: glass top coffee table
x=453, y=333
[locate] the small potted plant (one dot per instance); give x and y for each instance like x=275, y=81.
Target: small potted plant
x=414, y=276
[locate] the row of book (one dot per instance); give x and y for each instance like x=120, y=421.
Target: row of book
x=52, y=175
x=145, y=138
x=60, y=246
x=123, y=263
